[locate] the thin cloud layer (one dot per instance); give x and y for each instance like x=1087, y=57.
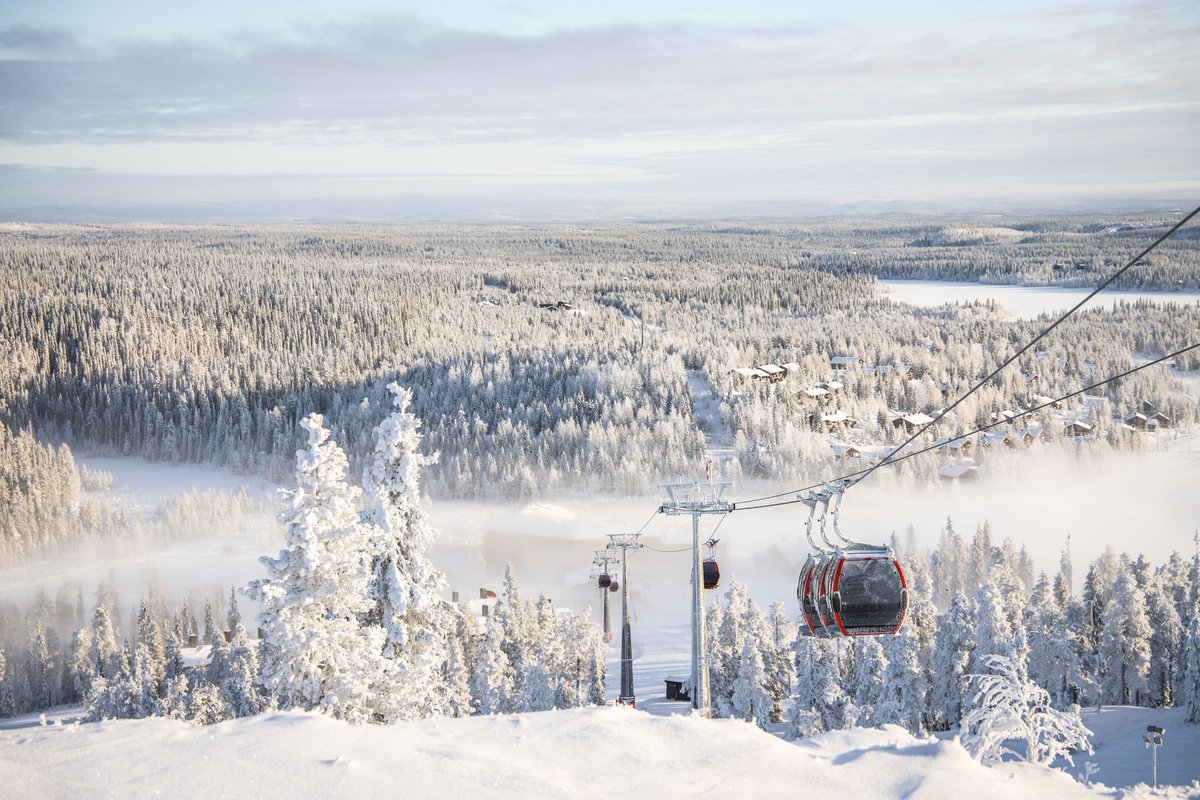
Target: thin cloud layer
x=686, y=106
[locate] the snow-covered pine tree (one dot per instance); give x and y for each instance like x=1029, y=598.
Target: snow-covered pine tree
x=233, y=617
x=993, y=629
x=107, y=651
x=802, y=717
x=456, y=674
x=1125, y=641
x=730, y=640
x=518, y=628
x=869, y=666
x=1064, y=577
x=904, y=696
x=1166, y=643
x=210, y=622
x=492, y=680
x=1006, y=706
x=751, y=699
x=6, y=698
x=405, y=586
x=921, y=620
x=241, y=687
x=952, y=653
x=1051, y=651
x=782, y=628
x=1189, y=691
x=83, y=666
x=316, y=654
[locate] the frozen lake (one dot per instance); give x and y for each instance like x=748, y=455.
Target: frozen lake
x=1024, y=302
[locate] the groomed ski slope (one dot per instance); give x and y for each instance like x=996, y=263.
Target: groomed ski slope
x=582, y=753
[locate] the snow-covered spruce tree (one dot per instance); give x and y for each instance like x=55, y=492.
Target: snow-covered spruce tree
x=1166, y=643
x=492, y=680
x=802, y=718
x=751, y=699
x=729, y=641
x=405, y=588
x=1006, y=706
x=316, y=653
x=952, y=653
x=1125, y=642
x=993, y=630
x=905, y=690
x=585, y=646
x=1189, y=694
x=241, y=686
x=1052, y=657
x=83, y=666
x=517, y=619
x=869, y=667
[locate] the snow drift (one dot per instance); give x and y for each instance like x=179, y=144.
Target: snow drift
x=578, y=753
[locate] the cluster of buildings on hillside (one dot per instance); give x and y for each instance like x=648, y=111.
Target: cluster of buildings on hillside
x=1076, y=423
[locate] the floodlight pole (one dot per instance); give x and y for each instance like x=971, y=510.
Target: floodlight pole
x=625, y=542
x=697, y=499
x=1154, y=740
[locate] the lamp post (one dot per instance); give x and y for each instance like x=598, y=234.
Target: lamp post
x=1154, y=740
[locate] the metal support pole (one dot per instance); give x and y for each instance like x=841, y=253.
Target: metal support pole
x=700, y=699
x=625, y=542
x=627, y=696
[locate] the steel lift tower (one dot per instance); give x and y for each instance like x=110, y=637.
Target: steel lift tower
x=697, y=499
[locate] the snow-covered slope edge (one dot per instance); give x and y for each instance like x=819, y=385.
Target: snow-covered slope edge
x=579, y=753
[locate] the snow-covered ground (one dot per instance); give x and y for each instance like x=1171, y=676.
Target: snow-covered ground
x=659, y=751
x=1023, y=302
x=1121, y=756
x=706, y=409
x=581, y=753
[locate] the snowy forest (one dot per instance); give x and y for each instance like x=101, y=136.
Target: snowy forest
x=368, y=372
x=354, y=624
x=550, y=359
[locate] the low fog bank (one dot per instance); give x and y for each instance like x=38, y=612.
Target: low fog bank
x=1145, y=502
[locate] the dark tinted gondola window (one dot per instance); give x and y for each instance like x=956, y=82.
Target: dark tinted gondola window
x=871, y=594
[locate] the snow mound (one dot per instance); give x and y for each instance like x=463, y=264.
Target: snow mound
x=595, y=752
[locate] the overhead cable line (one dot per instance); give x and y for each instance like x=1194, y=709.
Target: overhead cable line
x=892, y=457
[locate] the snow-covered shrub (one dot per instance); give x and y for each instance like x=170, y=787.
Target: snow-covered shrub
x=1006, y=708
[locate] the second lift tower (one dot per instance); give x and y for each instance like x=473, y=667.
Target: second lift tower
x=697, y=499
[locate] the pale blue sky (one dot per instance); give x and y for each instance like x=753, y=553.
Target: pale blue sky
x=502, y=109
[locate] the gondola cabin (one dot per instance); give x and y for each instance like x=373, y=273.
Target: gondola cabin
x=605, y=581
x=712, y=575
x=804, y=593
x=866, y=593
x=614, y=586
